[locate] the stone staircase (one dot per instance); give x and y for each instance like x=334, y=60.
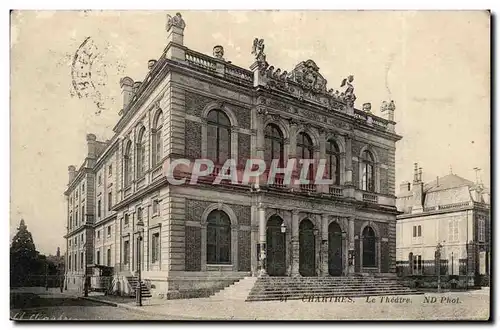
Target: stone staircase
x=290, y=288
x=145, y=292
x=239, y=290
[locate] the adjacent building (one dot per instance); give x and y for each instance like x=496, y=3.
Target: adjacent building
x=194, y=106
x=451, y=211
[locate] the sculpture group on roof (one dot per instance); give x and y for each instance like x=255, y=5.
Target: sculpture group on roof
x=306, y=75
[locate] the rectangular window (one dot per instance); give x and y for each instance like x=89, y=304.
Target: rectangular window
x=99, y=208
x=109, y=231
x=70, y=221
x=110, y=169
x=453, y=233
x=69, y=262
x=110, y=201
x=126, y=220
x=156, y=207
x=99, y=179
x=155, y=247
x=109, y=257
x=76, y=218
x=126, y=252
x=81, y=260
x=481, y=229
x=74, y=262
x=139, y=214
x=98, y=234
x=83, y=188
x=414, y=231
x=419, y=233
x=83, y=214
x=98, y=257
x=82, y=240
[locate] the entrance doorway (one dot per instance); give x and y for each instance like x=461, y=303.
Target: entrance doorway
x=307, y=249
x=334, y=249
x=276, y=247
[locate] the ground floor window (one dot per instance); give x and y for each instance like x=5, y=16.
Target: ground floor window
x=126, y=252
x=98, y=258
x=155, y=247
x=218, y=238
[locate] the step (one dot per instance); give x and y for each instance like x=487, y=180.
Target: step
x=236, y=291
x=351, y=295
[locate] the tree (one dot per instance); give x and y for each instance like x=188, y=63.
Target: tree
x=23, y=256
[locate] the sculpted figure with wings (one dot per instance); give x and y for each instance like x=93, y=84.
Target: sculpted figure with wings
x=258, y=49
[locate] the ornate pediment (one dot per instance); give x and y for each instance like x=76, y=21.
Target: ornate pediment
x=306, y=75
x=304, y=81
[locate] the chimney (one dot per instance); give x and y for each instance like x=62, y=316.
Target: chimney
x=387, y=110
x=175, y=38
x=58, y=253
x=71, y=173
x=418, y=190
x=415, y=173
x=437, y=181
x=126, y=84
x=151, y=64
x=91, y=145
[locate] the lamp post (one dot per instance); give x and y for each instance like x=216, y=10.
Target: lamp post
x=438, y=257
x=138, y=292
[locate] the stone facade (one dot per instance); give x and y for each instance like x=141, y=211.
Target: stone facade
x=451, y=212
x=325, y=230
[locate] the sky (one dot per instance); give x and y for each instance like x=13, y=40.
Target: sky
x=434, y=65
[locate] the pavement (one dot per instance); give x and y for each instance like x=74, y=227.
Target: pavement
x=470, y=305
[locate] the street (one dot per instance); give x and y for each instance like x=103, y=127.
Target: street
x=38, y=304
x=34, y=304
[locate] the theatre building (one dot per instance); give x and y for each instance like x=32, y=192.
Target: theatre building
x=191, y=105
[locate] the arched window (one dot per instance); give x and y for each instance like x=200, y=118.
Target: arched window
x=127, y=165
x=333, y=161
x=274, y=143
x=367, y=171
x=157, y=143
x=141, y=153
x=218, y=238
x=369, y=259
x=218, y=137
x=305, y=151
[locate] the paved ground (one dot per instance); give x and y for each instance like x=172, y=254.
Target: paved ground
x=472, y=305
x=29, y=304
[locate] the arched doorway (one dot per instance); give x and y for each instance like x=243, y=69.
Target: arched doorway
x=276, y=247
x=334, y=249
x=307, y=249
x=369, y=248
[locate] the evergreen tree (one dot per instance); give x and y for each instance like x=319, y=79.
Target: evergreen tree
x=23, y=256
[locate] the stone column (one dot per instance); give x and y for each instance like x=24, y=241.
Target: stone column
x=322, y=155
x=262, y=240
x=348, y=161
x=351, y=241
x=260, y=138
x=295, y=243
x=324, y=244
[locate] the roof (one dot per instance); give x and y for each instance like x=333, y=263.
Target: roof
x=447, y=182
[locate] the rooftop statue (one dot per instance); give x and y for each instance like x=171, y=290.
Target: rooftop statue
x=176, y=21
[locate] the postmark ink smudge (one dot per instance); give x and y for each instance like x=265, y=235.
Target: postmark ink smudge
x=88, y=73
